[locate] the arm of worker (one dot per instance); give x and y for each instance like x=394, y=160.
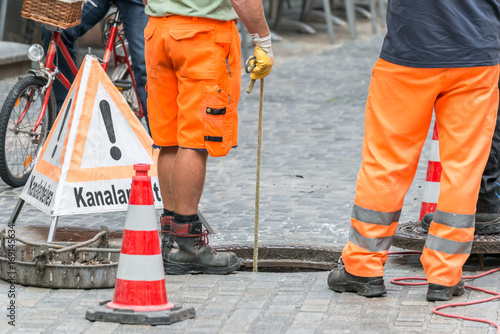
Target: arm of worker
x=252, y=15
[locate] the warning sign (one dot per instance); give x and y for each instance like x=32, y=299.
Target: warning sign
x=86, y=164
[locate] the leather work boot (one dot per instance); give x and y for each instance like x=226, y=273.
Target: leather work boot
x=165, y=222
x=486, y=223
x=339, y=280
x=193, y=255
x=437, y=292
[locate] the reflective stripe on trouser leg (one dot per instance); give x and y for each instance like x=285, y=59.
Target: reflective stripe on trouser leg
x=370, y=237
x=398, y=116
x=449, y=242
x=466, y=113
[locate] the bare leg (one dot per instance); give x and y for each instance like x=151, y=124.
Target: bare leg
x=187, y=180
x=166, y=160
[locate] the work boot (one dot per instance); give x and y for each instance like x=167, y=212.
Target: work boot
x=339, y=280
x=426, y=220
x=486, y=223
x=193, y=254
x=165, y=222
x=437, y=292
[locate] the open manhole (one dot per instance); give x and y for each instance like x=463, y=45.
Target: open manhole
x=283, y=258
x=76, y=263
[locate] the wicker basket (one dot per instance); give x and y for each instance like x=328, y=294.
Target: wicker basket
x=63, y=14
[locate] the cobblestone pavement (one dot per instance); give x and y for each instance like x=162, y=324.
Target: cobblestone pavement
x=313, y=128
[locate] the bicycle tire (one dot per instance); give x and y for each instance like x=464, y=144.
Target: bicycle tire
x=19, y=147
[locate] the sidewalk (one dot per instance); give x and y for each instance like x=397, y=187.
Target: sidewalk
x=313, y=130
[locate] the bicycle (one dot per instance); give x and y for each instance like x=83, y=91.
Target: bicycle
x=29, y=110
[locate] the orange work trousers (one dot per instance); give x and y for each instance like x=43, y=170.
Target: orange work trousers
x=398, y=115
x=194, y=76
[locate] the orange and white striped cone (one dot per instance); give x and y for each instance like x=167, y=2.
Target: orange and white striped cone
x=140, y=295
x=432, y=178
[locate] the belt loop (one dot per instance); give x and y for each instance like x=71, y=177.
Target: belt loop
x=195, y=18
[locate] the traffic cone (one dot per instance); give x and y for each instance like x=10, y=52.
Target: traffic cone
x=140, y=295
x=432, y=178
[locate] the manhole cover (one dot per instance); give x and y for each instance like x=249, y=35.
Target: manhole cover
x=284, y=258
x=70, y=265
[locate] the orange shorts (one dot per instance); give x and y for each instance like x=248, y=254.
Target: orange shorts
x=194, y=74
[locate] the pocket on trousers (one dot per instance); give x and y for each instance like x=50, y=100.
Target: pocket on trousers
x=149, y=31
x=193, y=52
x=217, y=121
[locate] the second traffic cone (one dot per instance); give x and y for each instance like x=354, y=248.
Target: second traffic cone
x=432, y=178
x=140, y=279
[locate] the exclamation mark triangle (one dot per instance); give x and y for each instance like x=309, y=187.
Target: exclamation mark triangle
x=115, y=152
x=110, y=140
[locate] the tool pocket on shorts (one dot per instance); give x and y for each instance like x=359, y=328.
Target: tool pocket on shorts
x=149, y=31
x=217, y=121
x=149, y=51
x=194, y=52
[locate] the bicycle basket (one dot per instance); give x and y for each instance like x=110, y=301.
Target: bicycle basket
x=60, y=13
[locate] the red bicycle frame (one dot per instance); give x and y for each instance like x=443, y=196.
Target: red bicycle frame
x=50, y=67
x=120, y=59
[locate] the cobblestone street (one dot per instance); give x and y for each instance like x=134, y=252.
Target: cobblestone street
x=312, y=137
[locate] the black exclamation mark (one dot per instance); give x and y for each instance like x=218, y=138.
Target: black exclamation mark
x=62, y=126
x=108, y=122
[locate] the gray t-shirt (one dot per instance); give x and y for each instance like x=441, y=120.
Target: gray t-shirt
x=442, y=33
x=214, y=9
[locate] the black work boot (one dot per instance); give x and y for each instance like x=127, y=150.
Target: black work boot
x=426, y=220
x=165, y=222
x=193, y=254
x=486, y=223
x=437, y=292
x=339, y=280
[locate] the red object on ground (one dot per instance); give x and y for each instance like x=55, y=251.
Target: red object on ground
x=432, y=178
x=140, y=279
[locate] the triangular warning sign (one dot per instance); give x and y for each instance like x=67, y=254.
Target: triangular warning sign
x=86, y=164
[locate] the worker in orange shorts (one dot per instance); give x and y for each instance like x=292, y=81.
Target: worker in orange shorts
x=193, y=64
x=440, y=55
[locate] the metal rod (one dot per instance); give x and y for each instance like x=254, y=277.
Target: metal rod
x=52, y=230
x=84, y=243
x=257, y=183
x=16, y=212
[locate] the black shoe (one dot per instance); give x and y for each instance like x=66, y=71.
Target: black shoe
x=339, y=280
x=487, y=223
x=193, y=255
x=426, y=221
x=438, y=292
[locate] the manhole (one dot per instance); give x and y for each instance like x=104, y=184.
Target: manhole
x=79, y=264
x=411, y=235
x=283, y=258
x=85, y=265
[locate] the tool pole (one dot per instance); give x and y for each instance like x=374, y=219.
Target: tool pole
x=257, y=182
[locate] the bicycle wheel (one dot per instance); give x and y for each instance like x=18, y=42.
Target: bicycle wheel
x=19, y=146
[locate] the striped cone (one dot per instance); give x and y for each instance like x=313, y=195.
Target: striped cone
x=140, y=295
x=432, y=178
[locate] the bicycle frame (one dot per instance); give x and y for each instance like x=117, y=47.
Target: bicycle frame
x=111, y=47
x=50, y=71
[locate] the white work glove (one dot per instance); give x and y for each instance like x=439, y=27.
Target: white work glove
x=264, y=58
